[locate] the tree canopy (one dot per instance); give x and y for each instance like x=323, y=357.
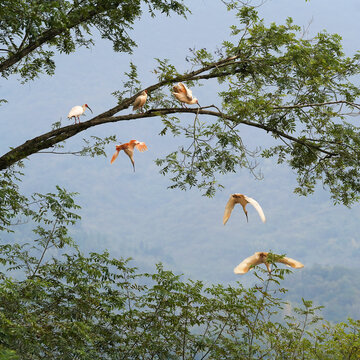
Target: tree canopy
x=30, y=31
x=57, y=302
x=300, y=91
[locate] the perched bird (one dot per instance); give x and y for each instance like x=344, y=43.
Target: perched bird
x=260, y=258
x=78, y=110
x=140, y=101
x=184, y=95
x=129, y=150
x=243, y=200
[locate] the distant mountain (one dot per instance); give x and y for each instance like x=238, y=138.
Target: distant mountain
x=336, y=288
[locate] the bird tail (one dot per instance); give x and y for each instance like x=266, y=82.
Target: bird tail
x=114, y=156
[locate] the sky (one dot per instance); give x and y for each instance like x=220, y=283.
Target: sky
x=135, y=215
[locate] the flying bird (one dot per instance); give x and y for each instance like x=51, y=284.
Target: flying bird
x=129, y=150
x=140, y=101
x=78, y=110
x=260, y=258
x=243, y=200
x=184, y=95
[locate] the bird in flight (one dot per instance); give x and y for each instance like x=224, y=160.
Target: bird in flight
x=78, y=110
x=243, y=200
x=140, y=101
x=129, y=150
x=261, y=258
x=184, y=95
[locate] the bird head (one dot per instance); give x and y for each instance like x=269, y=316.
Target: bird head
x=263, y=255
x=86, y=105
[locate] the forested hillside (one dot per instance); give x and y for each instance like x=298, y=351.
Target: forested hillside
x=264, y=107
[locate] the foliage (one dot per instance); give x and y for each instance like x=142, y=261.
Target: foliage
x=339, y=341
x=299, y=91
x=52, y=213
x=30, y=31
x=96, y=307
x=58, y=303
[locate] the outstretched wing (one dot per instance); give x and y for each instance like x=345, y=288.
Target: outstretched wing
x=228, y=209
x=291, y=262
x=185, y=90
x=176, y=88
x=256, y=205
x=141, y=146
x=114, y=156
x=244, y=266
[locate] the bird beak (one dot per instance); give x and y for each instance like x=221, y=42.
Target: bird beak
x=198, y=104
x=89, y=109
x=247, y=219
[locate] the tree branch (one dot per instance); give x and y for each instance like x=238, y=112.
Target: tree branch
x=50, y=34
x=298, y=106
x=58, y=135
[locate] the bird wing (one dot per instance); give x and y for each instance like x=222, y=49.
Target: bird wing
x=228, y=209
x=178, y=88
x=141, y=146
x=244, y=266
x=189, y=94
x=140, y=101
x=75, y=111
x=256, y=205
x=185, y=91
x=291, y=262
x=114, y=156
x=137, y=103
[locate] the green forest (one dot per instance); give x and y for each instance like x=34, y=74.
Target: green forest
x=60, y=299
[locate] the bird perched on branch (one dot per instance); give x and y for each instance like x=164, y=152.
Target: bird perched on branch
x=140, y=101
x=129, y=150
x=243, y=200
x=184, y=95
x=261, y=258
x=78, y=110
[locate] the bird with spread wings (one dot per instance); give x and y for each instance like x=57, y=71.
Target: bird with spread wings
x=184, y=95
x=261, y=258
x=243, y=200
x=129, y=150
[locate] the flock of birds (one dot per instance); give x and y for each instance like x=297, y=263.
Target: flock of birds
x=184, y=95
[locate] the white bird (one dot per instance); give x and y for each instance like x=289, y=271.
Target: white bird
x=260, y=258
x=243, y=200
x=78, y=110
x=140, y=101
x=184, y=95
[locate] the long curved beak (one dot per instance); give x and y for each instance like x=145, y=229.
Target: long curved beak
x=89, y=109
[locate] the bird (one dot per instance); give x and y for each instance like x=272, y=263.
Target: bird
x=184, y=95
x=260, y=258
x=140, y=101
x=129, y=150
x=78, y=110
x=243, y=200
